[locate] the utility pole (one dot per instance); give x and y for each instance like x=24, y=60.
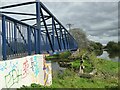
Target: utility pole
x=69, y=25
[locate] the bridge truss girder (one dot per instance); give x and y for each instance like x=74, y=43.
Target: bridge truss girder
x=46, y=35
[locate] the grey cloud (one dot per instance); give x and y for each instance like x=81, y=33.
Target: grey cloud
x=104, y=33
x=113, y=33
x=95, y=18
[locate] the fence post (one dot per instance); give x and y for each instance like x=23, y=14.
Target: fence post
x=4, y=53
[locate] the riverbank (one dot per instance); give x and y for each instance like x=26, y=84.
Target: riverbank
x=105, y=77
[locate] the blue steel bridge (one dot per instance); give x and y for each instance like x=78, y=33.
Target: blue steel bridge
x=20, y=38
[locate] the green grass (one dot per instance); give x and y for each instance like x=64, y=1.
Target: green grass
x=106, y=77
x=70, y=79
x=108, y=68
x=75, y=65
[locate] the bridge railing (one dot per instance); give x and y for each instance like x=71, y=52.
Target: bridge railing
x=17, y=38
x=47, y=35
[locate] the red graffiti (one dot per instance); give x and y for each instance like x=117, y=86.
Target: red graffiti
x=25, y=68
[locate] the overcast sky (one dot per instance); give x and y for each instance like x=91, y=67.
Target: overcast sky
x=99, y=19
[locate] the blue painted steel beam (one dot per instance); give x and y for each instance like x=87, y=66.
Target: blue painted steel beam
x=36, y=43
x=18, y=13
x=28, y=19
x=38, y=14
x=21, y=34
x=57, y=35
x=47, y=32
x=16, y=5
x=4, y=38
x=31, y=19
x=12, y=32
x=50, y=24
x=60, y=38
x=16, y=21
x=53, y=35
x=15, y=38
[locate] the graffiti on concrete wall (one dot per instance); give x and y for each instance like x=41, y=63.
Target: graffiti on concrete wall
x=24, y=71
x=47, y=73
x=35, y=66
x=12, y=77
x=3, y=66
x=25, y=68
x=35, y=69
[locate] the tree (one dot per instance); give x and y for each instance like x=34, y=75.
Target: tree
x=113, y=46
x=96, y=45
x=80, y=37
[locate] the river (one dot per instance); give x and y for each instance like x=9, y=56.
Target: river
x=114, y=56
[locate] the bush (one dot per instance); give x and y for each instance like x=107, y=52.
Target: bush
x=55, y=56
x=64, y=55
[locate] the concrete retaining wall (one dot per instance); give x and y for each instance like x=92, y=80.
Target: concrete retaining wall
x=25, y=71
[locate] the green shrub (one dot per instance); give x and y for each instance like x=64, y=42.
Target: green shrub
x=88, y=67
x=75, y=64
x=64, y=55
x=55, y=56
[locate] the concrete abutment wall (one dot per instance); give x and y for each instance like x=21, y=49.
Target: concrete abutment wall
x=25, y=71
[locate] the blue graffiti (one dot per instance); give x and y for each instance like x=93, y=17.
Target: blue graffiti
x=35, y=66
x=13, y=65
x=3, y=66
